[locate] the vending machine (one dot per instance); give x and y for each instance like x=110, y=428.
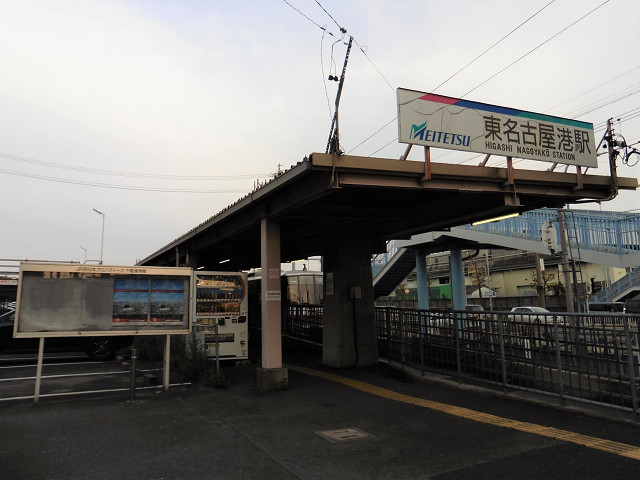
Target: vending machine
x=220, y=313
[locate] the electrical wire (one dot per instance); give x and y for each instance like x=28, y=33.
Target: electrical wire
x=607, y=101
x=631, y=114
x=374, y=66
x=535, y=48
x=374, y=134
x=334, y=20
x=383, y=147
x=151, y=176
x=117, y=187
x=594, y=88
x=492, y=46
x=324, y=77
x=324, y=29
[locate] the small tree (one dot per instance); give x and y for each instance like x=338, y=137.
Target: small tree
x=478, y=273
x=548, y=283
x=557, y=287
x=546, y=280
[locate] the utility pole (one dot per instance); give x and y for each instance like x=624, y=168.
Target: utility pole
x=542, y=301
x=489, y=282
x=612, y=158
x=566, y=269
x=333, y=144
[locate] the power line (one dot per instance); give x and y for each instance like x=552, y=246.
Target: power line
x=117, y=187
x=594, y=88
x=383, y=147
x=492, y=46
x=331, y=17
x=374, y=66
x=324, y=77
x=324, y=29
x=534, y=49
x=608, y=102
x=98, y=171
x=374, y=134
x=631, y=114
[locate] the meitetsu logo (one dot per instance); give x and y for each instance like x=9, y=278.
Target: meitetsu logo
x=420, y=132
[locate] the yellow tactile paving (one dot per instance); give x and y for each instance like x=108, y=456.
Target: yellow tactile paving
x=616, y=448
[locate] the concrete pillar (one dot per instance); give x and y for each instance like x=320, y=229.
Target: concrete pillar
x=423, y=281
x=271, y=375
x=349, y=327
x=458, y=289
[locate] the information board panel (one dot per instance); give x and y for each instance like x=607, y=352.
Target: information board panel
x=221, y=299
x=456, y=124
x=63, y=299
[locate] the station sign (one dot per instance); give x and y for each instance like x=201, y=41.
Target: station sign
x=437, y=121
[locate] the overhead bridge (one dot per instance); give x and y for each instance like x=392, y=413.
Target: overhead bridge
x=603, y=238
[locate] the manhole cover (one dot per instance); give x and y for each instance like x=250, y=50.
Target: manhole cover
x=344, y=434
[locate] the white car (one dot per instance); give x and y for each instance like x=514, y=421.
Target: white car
x=534, y=314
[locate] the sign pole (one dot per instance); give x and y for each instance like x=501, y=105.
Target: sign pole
x=36, y=394
x=167, y=356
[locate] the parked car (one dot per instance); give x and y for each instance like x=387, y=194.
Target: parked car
x=606, y=306
x=474, y=308
x=632, y=306
x=534, y=314
x=97, y=348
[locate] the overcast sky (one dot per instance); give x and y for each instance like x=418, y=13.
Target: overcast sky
x=104, y=103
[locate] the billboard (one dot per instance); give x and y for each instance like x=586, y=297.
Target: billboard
x=62, y=299
x=452, y=123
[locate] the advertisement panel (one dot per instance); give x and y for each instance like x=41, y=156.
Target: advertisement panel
x=221, y=300
x=59, y=299
x=452, y=123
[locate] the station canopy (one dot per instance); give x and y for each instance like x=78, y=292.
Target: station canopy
x=327, y=197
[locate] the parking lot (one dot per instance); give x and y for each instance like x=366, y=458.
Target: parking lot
x=68, y=374
x=374, y=423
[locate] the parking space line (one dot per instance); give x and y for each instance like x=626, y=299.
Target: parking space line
x=83, y=374
x=616, y=448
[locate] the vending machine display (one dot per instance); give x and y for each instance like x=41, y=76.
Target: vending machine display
x=220, y=300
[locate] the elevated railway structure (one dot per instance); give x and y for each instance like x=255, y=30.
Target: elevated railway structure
x=345, y=208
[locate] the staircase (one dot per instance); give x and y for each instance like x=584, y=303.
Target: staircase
x=620, y=290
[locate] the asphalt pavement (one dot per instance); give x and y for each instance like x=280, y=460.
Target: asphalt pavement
x=371, y=423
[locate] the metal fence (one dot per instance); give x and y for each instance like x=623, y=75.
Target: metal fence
x=303, y=322
x=589, y=357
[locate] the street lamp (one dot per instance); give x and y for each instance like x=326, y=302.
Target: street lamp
x=102, y=242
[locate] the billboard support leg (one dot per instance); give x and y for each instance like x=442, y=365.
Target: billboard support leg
x=36, y=394
x=132, y=367
x=427, y=164
x=167, y=357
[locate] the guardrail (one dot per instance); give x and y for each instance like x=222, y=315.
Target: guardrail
x=588, y=357
x=592, y=357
